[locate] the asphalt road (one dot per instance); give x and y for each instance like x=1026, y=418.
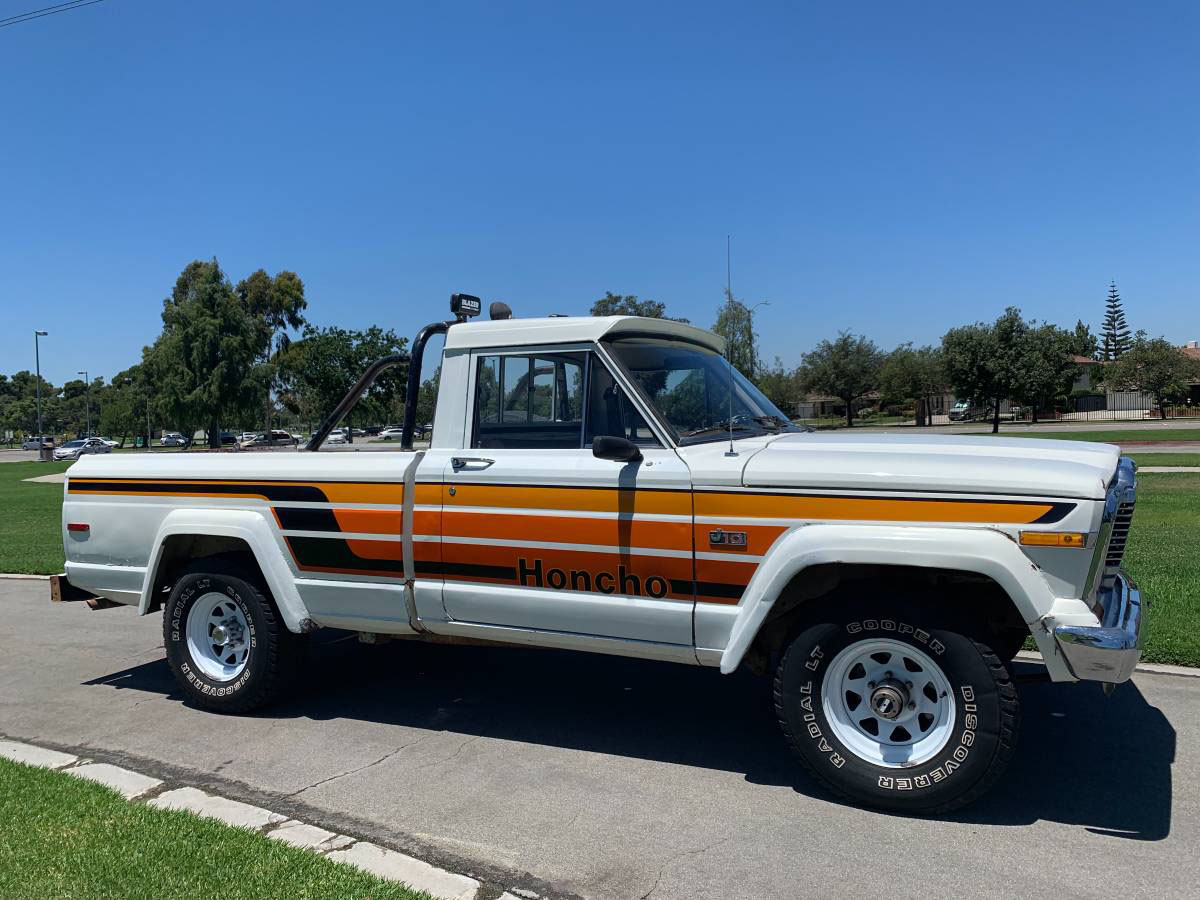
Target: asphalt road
x=606, y=777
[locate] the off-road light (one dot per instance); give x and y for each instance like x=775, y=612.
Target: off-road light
x=464, y=306
x=1075, y=539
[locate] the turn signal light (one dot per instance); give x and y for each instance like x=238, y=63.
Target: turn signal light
x=1075, y=539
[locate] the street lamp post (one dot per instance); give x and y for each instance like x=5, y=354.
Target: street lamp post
x=87, y=401
x=37, y=358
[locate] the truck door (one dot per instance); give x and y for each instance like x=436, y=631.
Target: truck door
x=538, y=533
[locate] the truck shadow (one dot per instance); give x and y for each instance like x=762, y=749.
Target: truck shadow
x=1103, y=764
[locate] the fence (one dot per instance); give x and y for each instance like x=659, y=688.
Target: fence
x=1115, y=406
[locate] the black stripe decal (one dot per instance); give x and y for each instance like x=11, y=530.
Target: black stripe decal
x=293, y=518
x=292, y=491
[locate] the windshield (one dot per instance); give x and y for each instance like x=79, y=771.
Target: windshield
x=689, y=386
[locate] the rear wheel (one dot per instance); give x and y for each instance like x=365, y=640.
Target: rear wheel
x=895, y=713
x=225, y=642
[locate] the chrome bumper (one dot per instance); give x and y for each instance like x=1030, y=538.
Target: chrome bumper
x=1109, y=651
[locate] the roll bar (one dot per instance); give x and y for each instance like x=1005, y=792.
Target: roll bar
x=414, y=379
x=368, y=378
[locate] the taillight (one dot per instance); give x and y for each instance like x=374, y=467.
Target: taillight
x=79, y=527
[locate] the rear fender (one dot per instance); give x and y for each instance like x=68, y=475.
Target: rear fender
x=983, y=550
x=245, y=525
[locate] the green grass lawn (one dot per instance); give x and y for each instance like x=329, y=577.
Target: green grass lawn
x=64, y=837
x=1166, y=459
x=1115, y=436
x=1163, y=557
x=30, y=519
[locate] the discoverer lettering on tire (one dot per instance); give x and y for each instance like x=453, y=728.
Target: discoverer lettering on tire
x=225, y=640
x=897, y=712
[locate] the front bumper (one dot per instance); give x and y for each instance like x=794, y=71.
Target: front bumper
x=1109, y=651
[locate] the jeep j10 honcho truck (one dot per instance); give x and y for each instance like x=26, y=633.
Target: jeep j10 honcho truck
x=613, y=485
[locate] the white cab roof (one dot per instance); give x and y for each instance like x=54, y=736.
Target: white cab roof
x=570, y=330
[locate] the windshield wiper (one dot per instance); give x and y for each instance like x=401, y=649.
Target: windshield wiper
x=738, y=423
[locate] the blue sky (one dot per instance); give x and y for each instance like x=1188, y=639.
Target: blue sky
x=893, y=169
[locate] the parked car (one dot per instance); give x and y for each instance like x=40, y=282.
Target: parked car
x=884, y=581
x=962, y=411
x=228, y=439
x=36, y=443
x=274, y=438
x=81, y=447
x=173, y=439
x=110, y=442
x=393, y=433
x=336, y=437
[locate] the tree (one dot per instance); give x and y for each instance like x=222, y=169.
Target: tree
x=317, y=371
x=205, y=365
x=847, y=368
x=1155, y=366
x=781, y=386
x=1116, y=339
x=628, y=305
x=1083, y=342
x=918, y=375
x=126, y=411
x=1046, y=369
x=276, y=304
x=735, y=323
x=427, y=398
x=983, y=361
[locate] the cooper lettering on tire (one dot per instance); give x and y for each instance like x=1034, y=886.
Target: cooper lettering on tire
x=224, y=639
x=896, y=712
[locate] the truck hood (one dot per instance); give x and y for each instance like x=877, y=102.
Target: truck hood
x=935, y=463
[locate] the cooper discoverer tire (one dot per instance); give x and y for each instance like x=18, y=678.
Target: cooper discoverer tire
x=893, y=712
x=225, y=642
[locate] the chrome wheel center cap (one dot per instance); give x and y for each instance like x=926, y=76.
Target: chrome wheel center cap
x=889, y=699
x=220, y=636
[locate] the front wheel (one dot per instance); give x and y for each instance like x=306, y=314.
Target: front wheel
x=226, y=644
x=894, y=713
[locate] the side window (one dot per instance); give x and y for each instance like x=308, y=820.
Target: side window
x=611, y=413
x=531, y=401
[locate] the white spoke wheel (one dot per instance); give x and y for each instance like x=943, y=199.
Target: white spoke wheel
x=888, y=702
x=218, y=636
x=894, y=712
x=225, y=640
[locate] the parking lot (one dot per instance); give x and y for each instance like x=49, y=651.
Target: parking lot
x=608, y=777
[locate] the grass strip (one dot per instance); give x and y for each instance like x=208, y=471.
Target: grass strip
x=1115, y=436
x=30, y=519
x=64, y=837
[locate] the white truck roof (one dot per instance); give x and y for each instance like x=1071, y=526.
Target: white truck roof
x=569, y=330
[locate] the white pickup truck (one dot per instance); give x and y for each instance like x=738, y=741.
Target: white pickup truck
x=613, y=485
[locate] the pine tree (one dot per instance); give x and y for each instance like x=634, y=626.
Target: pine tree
x=1116, y=336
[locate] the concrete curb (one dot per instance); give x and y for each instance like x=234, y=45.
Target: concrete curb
x=1147, y=668
x=17, y=576
x=380, y=861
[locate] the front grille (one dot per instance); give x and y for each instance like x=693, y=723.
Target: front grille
x=1120, y=535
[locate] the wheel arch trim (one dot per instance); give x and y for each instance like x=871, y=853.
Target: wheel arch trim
x=982, y=550
x=246, y=526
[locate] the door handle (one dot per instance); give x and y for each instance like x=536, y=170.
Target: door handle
x=470, y=463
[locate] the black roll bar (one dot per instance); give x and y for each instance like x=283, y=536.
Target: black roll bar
x=368, y=378
x=414, y=379
x=352, y=396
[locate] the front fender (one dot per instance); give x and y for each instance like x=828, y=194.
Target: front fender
x=983, y=550
x=244, y=525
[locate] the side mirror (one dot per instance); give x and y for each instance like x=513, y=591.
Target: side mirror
x=617, y=449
